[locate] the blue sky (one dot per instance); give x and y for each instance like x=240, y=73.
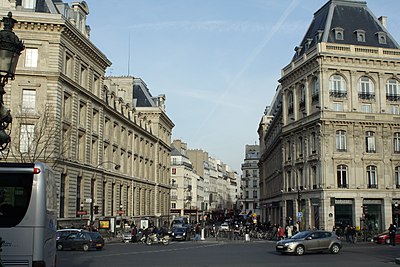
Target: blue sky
x=217, y=61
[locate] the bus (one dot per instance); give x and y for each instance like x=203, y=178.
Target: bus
x=28, y=215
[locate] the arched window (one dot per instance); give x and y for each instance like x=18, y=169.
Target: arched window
x=366, y=88
x=337, y=86
x=341, y=140
x=371, y=177
x=392, y=90
x=342, y=174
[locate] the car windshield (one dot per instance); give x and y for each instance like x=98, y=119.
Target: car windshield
x=300, y=235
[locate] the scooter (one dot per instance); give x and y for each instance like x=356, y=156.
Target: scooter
x=155, y=239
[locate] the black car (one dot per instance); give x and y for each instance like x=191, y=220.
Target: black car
x=180, y=233
x=84, y=240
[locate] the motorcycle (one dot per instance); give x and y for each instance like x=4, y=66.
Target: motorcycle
x=155, y=239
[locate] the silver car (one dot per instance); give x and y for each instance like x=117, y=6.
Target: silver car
x=310, y=241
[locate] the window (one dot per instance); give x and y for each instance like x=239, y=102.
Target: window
x=396, y=142
x=342, y=176
x=341, y=141
x=302, y=96
x=339, y=33
x=381, y=37
x=95, y=121
x=29, y=4
x=82, y=114
x=254, y=193
x=397, y=176
x=394, y=109
x=315, y=89
x=289, y=150
x=31, y=57
x=366, y=88
x=300, y=147
x=360, y=36
x=392, y=90
x=371, y=177
x=338, y=106
x=337, y=86
x=313, y=143
x=67, y=106
x=84, y=76
x=290, y=103
x=27, y=137
x=370, y=142
x=68, y=65
x=366, y=108
x=28, y=100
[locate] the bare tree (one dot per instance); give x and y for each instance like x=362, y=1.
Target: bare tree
x=37, y=137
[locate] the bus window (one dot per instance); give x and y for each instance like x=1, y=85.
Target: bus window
x=15, y=194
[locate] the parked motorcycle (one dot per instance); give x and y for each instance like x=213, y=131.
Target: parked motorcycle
x=155, y=239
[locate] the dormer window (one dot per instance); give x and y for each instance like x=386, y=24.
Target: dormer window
x=298, y=50
x=381, y=37
x=308, y=44
x=360, y=35
x=339, y=33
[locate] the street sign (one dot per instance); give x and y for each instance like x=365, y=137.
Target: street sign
x=300, y=214
x=81, y=212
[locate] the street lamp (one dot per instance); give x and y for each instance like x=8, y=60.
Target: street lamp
x=116, y=167
x=10, y=50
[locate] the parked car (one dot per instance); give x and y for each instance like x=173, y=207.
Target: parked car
x=310, y=241
x=84, y=240
x=224, y=226
x=383, y=238
x=65, y=232
x=180, y=233
x=127, y=237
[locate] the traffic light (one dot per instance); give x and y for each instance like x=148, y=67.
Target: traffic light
x=5, y=120
x=96, y=209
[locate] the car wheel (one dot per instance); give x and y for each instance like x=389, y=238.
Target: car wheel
x=85, y=247
x=299, y=250
x=335, y=249
x=60, y=247
x=149, y=241
x=387, y=241
x=165, y=242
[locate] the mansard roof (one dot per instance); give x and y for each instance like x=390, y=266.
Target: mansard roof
x=143, y=96
x=347, y=18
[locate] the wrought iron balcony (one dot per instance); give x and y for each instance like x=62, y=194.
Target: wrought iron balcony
x=368, y=95
x=338, y=94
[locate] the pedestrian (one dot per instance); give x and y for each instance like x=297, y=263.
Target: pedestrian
x=236, y=232
x=289, y=231
x=197, y=232
x=280, y=232
x=133, y=233
x=392, y=234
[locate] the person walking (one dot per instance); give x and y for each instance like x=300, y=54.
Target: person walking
x=280, y=232
x=392, y=234
x=288, y=231
x=197, y=231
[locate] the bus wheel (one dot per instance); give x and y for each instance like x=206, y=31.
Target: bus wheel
x=85, y=247
x=60, y=247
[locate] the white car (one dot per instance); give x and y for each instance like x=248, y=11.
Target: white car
x=224, y=226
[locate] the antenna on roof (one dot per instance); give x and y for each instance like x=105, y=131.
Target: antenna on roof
x=129, y=51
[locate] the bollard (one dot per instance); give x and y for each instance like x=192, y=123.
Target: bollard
x=247, y=237
x=202, y=234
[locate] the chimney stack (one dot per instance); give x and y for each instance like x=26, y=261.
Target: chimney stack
x=383, y=20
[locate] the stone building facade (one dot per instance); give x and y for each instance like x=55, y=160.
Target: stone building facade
x=110, y=155
x=334, y=124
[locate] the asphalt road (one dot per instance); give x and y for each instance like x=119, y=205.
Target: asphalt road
x=221, y=254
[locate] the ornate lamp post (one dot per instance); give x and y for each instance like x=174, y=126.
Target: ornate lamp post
x=10, y=50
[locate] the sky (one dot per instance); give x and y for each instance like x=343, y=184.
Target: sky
x=217, y=61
